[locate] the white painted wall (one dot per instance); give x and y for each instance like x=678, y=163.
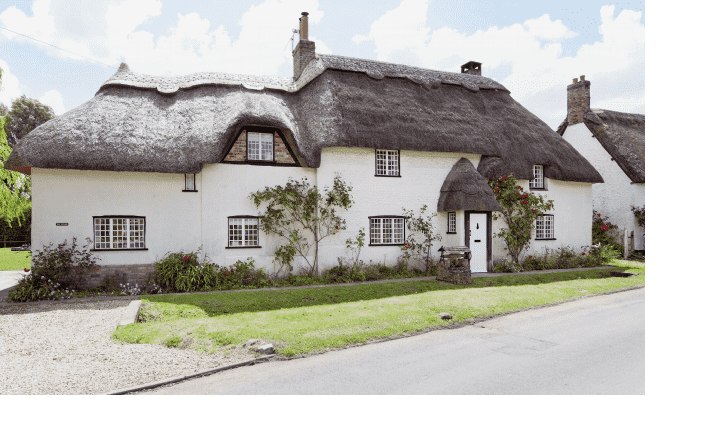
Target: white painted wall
x=422, y=175
x=614, y=197
x=226, y=192
x=572, y=218
x=172, y=217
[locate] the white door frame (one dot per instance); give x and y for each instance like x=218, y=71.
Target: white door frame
x=487, y=238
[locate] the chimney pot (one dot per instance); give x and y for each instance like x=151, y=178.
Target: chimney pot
x=583, y=77
x=304, y=25
x=578, y=100
x=471, y=67
x=575, y=80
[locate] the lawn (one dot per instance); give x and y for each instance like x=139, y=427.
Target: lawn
x=14, y=260
x=299, y=321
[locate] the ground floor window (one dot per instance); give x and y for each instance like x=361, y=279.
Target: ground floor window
x=544, y=227
x=243, y=231
x=451, y=221
x=387, y=230
x=119, y=232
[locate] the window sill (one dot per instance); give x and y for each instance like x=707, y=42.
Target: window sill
x=386, y=245
x=550, y=239
x=396, y=176
x=451, y=232
x=537, y=189
x=118, y=249
x=190, y=190
x=248, y=246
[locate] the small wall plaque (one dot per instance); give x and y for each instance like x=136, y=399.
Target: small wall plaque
x=61, y=224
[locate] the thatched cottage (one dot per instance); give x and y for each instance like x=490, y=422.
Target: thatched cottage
x=157, y=164
x=615, y=144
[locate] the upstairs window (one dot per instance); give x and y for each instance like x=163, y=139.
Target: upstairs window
x=451, y=221
x=388, y=230
x=190, y=182
x=388, y=163
x=119, y=233
x=537, y=182
x=260, y=146
x=544, y=227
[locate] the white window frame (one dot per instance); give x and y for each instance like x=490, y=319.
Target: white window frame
x=243, y=231
x=538, y=181
x=451, y=222
x=189, y=182
x=388, y=163
x=260, y=146
x=545, y=227
x=119, y=233
x=387, y=230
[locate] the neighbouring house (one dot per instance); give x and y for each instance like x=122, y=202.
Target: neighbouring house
x=615, y=144
x=152, y=164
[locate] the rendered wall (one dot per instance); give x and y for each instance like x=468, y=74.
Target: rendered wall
x=614, y=197
x=172, y=217
x=572, y=215
x=421, y=177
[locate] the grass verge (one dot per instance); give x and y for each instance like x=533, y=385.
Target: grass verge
x=14, y=260
x=311, y=320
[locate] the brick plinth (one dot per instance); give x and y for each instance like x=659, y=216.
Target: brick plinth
x=456, y=271
x=127, y=273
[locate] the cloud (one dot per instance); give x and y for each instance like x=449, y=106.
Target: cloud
x=108, y=31
x=54, y=99
x=525, y=57
x=10, y=88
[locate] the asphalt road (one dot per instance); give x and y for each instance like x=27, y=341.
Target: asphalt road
x=593, y=345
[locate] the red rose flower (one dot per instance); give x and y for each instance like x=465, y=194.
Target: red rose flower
x=534, y=211
x=26, y=270
x=336, y=227
x=598, y=215
x=583, y=253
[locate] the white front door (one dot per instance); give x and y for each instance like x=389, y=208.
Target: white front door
x=478, y=243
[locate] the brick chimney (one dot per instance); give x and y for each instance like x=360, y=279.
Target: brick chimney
x=304, y=52
x=579, y=99
x=471, y=68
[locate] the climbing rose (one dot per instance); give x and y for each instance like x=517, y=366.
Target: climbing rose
x=26, y=270
x=598, y=215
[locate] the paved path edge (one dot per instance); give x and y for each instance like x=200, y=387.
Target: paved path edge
x=151, y=385
x=130, y=315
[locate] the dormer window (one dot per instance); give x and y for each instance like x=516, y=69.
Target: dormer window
x=388, y=163
x=538, y=181
x=260, y=146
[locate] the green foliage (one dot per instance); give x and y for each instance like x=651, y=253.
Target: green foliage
x=56, y=272
x=14, y=189
x=506, y=266
x=519, y=212
x=25, y=115
x=418, y=246
x=10, y=232
x=303, y=216
x=640, y=213
x=605, y=233
x=355, y=246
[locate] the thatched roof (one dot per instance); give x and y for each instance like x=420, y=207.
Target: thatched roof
x=157, y=124
x=623, y=135
x=466, y=189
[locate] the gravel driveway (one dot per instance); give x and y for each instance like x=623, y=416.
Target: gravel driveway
x=65, y=348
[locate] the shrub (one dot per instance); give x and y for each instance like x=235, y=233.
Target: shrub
x=505, y=266
x=604, y=232
x=182, y=272
x=604, y=253
x=36, y=287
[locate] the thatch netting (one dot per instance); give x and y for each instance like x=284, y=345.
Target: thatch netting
x=466, y=189
x=166, y=127
x=623, y=135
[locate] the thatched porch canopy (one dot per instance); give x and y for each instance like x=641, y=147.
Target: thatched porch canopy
x=465, y=189
x=159, y=124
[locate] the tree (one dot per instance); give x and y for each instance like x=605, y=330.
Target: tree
x=25, y=115
x=299, y=210
x=14, y=187
x=519, y=212
x=420, y=249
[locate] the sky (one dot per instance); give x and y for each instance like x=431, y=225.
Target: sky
x=533, y=48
